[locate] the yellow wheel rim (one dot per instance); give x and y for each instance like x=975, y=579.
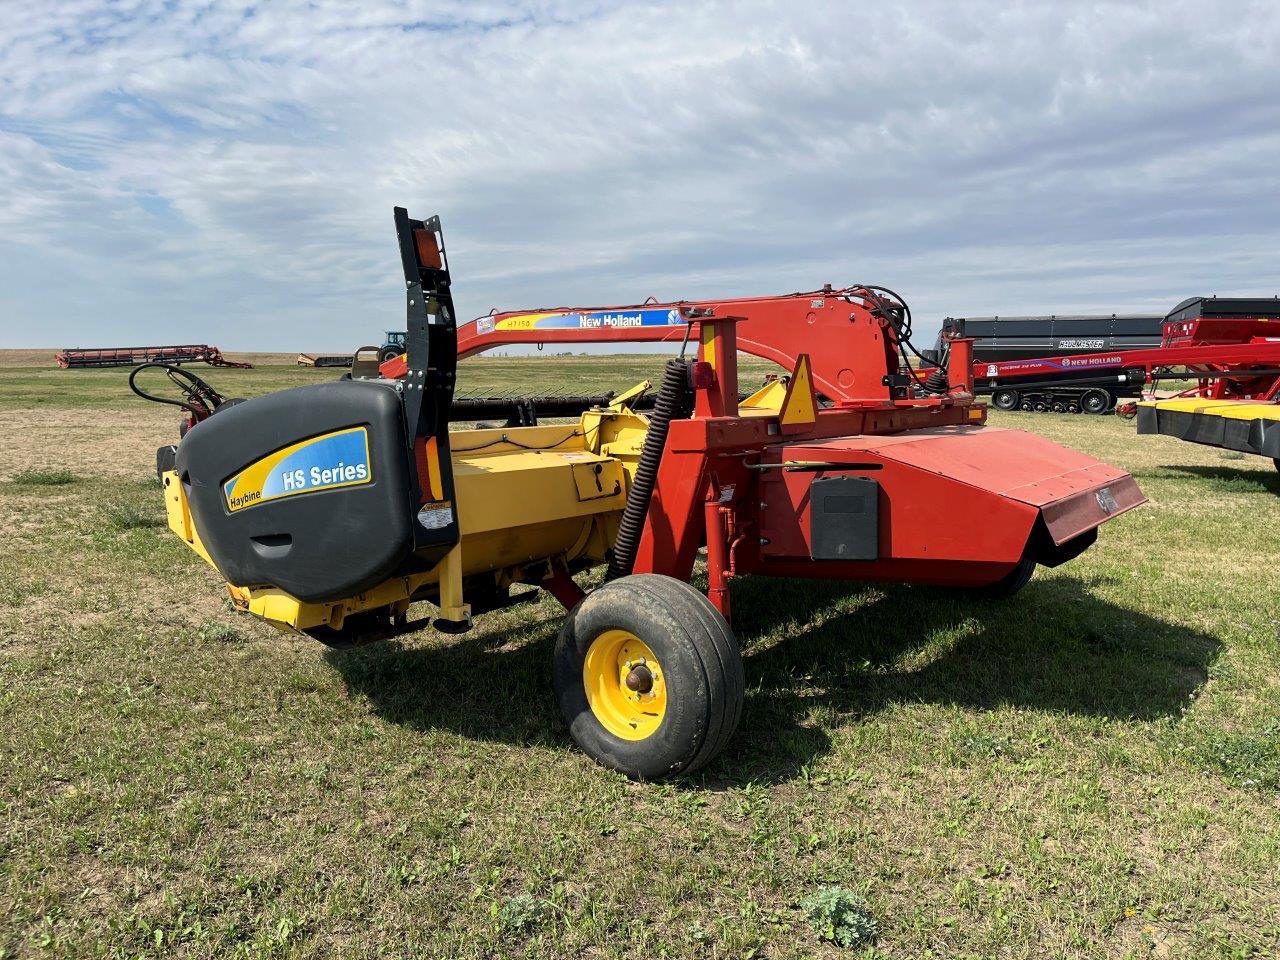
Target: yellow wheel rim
x=631, y=712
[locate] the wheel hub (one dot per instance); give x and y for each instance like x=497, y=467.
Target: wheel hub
x=640, y=679
x=625, y=685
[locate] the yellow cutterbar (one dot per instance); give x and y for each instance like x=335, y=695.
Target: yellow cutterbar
x=523, y=494
x=1247, y=426
x=1230, y=409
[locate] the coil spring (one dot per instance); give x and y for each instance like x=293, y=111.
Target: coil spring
x=937, y=382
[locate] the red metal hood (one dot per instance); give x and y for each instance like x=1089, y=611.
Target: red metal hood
x=1073, y=491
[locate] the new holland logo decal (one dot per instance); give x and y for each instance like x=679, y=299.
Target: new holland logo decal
x=589, y=320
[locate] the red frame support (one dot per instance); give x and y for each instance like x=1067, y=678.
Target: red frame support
x=717, y=375
x=560, y=585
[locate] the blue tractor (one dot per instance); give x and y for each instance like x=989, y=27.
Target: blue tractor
x=392, y=346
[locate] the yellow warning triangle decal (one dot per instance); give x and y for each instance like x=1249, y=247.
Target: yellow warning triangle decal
x=800, y=408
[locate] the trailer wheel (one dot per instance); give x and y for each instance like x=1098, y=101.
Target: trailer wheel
x=1026, y=405
x=1095, y=401
x=1059, y=407
x=1039, y=407
x=1005, y=400
x=1010, y=583
x=649, y=677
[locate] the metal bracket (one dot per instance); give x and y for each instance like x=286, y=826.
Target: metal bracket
x=431, y=344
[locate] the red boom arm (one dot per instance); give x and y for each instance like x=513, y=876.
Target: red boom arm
x=851, y=342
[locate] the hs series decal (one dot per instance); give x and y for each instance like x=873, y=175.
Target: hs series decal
x=326, y=462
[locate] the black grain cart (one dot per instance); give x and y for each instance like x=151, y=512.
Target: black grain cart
x=1021, y=338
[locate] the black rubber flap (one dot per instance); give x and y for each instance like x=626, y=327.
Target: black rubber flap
x=844, y=518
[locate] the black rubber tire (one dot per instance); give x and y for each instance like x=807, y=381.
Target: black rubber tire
x=1039, y=407
x=1005, y=399
x=700, y=661
x=1026, y=405
x=388, y=353
x=1095, y=401
x=1010, y=583
x=1058, y=407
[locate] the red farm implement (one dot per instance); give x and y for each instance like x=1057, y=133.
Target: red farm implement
x=1229, y=348
x=77, y=357
x=332, y=509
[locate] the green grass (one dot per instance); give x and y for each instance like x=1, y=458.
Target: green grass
x=44, y=478
x=1089, y=769
x=37, y=387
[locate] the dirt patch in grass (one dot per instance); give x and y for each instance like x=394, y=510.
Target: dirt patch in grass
x=41, y=357
x=83, y=443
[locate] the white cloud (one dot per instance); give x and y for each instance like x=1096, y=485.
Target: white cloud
x=231, y=168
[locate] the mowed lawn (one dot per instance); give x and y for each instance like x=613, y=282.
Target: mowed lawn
x=1091, y=769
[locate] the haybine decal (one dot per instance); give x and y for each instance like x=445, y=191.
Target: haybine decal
x=326, y=462
x=595, y=319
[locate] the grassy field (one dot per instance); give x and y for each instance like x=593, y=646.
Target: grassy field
x=1091, y=769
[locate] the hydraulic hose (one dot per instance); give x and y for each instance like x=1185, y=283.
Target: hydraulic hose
x=672, y=402
x=201, y=400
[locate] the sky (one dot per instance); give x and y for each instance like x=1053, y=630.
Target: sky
x=225, y=172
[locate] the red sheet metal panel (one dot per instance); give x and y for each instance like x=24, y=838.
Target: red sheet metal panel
x=1012, y=463
x=1074, y=492
x=923, y=514
x=1071, y=516
x=963, y=493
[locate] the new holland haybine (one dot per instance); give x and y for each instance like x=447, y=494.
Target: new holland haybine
x=333, y=509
